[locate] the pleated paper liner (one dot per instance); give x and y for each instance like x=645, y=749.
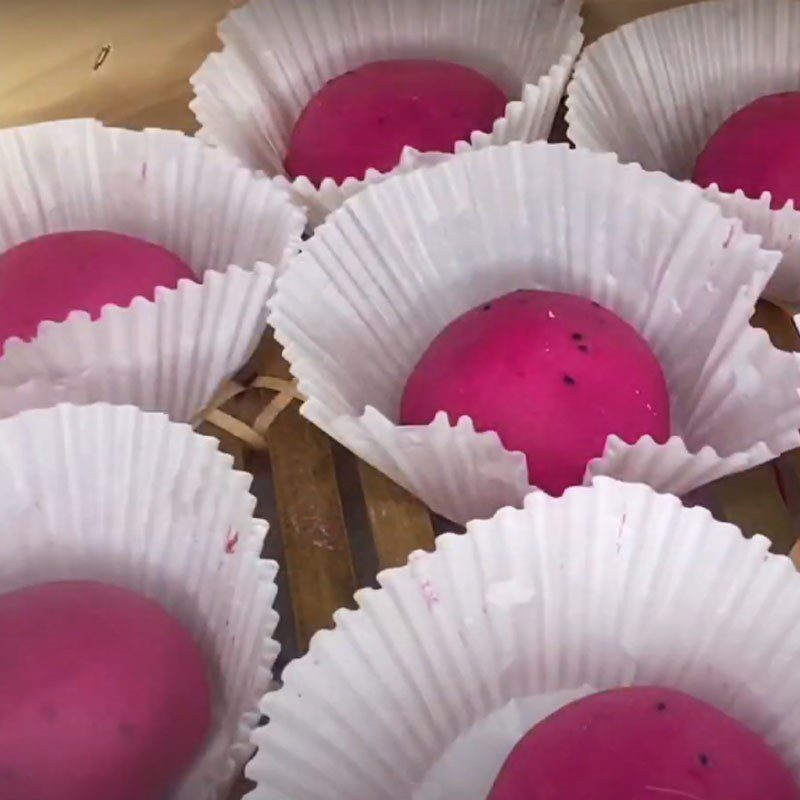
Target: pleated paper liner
x=390, y=269
x=278, y=53
x=423, y=691
x=655, y=90
x=232, y=227
x=124, y=497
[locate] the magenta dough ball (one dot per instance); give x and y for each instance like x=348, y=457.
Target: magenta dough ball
x=553, y=374
x=642, y=743
x=364, y=118
x=102, y=695
x=757, y=150
x=48, y=277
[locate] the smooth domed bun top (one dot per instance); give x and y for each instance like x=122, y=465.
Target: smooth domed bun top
x=757, y=150
x=364, y=118
x=642, y=743
x=48, y=277
x=554, y=375
x=103, y=694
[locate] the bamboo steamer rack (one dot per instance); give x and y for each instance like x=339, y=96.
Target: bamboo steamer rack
x=335, y=521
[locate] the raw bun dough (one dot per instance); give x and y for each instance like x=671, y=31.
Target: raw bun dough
x=102, y=695
x=757, y=150
x=553, y=374
x=364, y=118
x=48, y=277
x=642, y=743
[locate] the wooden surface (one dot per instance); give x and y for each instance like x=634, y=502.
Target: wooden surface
x=335, y=521
x=49, y=48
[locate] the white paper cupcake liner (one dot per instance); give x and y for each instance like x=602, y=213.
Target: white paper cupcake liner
x=232, y=227
x=278, y=53
x=655, y=90
x=396, y=264
x=116, y=495
x=423, y=691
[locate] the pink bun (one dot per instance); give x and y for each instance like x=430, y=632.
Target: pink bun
x=48, y=277
x=553, y=374
x=102, y=695
x=364, y=118
x=757, y=150
x=642, y=743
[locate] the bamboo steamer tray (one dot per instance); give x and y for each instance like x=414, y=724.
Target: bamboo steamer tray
x=335, y=521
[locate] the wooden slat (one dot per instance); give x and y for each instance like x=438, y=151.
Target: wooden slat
x=602, y=16
x=778, y=324
x=400, y=523
x=316, y=547
x=318, y=560
x=753, y=501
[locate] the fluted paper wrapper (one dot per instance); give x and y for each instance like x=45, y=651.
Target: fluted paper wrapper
x=655, y=91
x=232, y=227
x=395, y=265
x=116, y=495
x=277, y=54
x=423, y=691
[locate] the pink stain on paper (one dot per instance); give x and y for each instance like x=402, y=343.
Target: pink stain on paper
x=231, y=541
x=431, y=598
